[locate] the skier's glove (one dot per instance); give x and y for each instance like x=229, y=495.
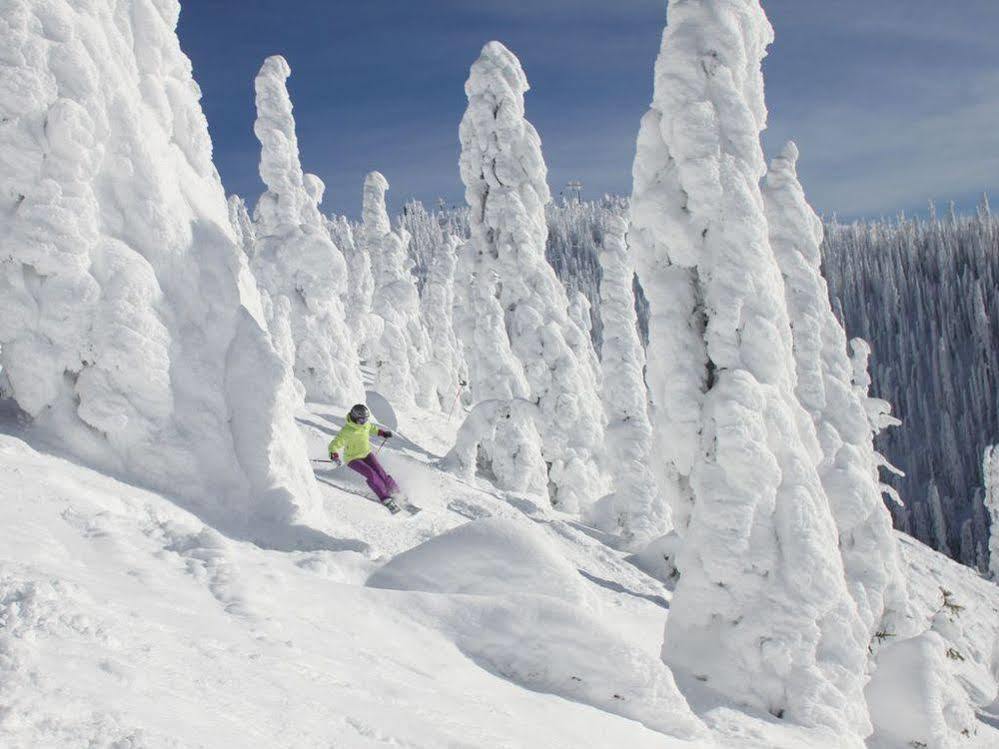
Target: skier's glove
x=384, y=433
x=335, y=457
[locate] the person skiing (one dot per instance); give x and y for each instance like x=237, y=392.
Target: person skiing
x=354, y=440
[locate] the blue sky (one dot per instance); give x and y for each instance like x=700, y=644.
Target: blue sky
x=892, y=102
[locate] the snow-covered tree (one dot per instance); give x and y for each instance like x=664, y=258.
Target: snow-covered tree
x=242, y=224
x=127, y=336
x=446, y=363
x=739, y=453
x=505, y=186
x=849, y=469
x=402, y=349
x=990, y=469
x=918, y=290
x=636, y=506
x=294, y=256
x=579, y=335
x=364, y=324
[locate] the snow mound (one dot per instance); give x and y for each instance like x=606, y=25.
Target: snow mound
x=913, y=700
x=495, y=556
x=524, y=614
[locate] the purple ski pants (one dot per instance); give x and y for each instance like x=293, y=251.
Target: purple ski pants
x=381, y=483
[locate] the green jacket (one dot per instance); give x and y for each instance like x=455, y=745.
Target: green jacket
x=354, y=441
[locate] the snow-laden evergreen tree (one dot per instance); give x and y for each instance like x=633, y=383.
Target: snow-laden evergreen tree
x=402, y=349
x=739, y=452
x=242, y=224
x=127, y=335
x=849, y=469
x=446, y=363
x=294, y=256
x=990, y=469
x=919, y=291
x=364, y=324
x=938, y=519
x=636, y=507
x=505, y=186
x=579, y=335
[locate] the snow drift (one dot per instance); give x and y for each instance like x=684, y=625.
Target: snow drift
x=521, y=611
x=129, y=334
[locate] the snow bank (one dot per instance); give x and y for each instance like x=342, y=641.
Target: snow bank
x=913, y=697
x=129, y=333
x=505, y=186
x=523, y=615
x=294, y=256
x=761, y=610
x=486, y=557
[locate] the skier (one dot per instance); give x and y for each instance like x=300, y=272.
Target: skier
x=355, y=442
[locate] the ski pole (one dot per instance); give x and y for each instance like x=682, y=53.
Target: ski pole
x=380, y=446
x=316, y=460
x=454, y=403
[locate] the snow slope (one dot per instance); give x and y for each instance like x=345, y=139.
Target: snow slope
x=486, y=621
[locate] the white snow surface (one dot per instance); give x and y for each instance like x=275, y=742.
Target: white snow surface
x=127, y=621
x=130, y=328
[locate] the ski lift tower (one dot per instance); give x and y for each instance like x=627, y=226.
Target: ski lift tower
x=574, y=190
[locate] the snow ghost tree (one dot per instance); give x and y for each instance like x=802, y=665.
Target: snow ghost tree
x=761, y=611
x=365, y=326
x=825, y=388
x=294, y=256
x=126, y=333
x=242, y=225
x=990, y=470
x=505, y=186
x=579, y=336
x=403, y=347
x=446, y=365
x=636, y=505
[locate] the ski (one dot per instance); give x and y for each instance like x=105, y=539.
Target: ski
x=399, y=506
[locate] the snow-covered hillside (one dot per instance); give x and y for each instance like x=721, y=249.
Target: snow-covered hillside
x=670, y=540
x=485, y=621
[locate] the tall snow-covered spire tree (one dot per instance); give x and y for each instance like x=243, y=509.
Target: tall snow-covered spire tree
x=365, y=325
x=446, y=362
x=739, y=452
x=505, y=185
x=990, y=470
x=127, y=336
x=636, y=504
x=403, y=347
x=294, y=256
x=242, y=224
x=825, y=388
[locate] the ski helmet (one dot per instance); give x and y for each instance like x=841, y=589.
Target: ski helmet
x=359, y=414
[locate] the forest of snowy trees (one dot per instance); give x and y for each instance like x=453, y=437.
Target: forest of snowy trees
x=917, y=290
x=723, y=405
